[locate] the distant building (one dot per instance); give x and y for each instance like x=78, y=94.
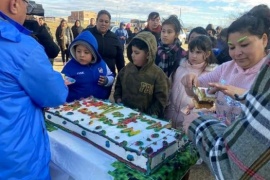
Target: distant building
x=83, y=16
x=50, y=18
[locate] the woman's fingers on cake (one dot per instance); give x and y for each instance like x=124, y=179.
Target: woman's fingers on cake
x=212, y=90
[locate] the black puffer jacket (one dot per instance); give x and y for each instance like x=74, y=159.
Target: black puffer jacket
x=43, y=36
x=45, y=39
x=109, y=48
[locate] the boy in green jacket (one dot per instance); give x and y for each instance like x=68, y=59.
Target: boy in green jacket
x=141, y=84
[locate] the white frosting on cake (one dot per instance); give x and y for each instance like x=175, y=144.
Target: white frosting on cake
x=135, y=149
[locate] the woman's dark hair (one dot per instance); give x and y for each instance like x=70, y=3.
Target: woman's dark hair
x=140, y=44
x=173, y=20
x=203, y=43
x=211, y=28
x=77, y=21
x=198, y=30
x=255, y=22
x=153, y=15
x=63, y=20
x=101, y=12
x=223, y=33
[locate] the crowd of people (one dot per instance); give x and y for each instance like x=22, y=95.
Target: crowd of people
x=232, y=137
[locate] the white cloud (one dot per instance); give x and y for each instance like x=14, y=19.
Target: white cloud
x=192, y=11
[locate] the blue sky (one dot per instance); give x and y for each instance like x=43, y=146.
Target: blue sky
x=193, y=12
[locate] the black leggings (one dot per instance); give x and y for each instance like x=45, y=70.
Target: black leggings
x=64, y=54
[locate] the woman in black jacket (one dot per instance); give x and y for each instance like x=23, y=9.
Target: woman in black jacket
x=108, y=45
x=43, y=36
x=76, y=28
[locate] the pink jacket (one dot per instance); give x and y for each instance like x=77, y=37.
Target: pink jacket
x=228, y=109
x=178, y=98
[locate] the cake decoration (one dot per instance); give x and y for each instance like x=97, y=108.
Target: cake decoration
x=165, y=143
x=163, y=156
x=118, y=114
x=149, y=150
x=102, y=132
x=124, y=143
x=70, y=113
x=130, y=157
x=107, y=144
x=155, y=135
x=83, y=133
x=98, y=127
x=141, y=141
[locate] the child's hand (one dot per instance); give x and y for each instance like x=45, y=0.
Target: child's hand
x=67, y=82
x=102, y=81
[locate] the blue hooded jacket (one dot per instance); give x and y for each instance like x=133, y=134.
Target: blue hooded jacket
x=87, y=76
x=27, y=84
x=122, y=32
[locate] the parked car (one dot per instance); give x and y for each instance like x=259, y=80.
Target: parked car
x=182, y=36
x=114, y=28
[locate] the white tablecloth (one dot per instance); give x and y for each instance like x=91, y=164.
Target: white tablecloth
x=73, y=158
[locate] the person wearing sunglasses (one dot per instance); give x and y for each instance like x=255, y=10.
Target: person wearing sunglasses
x=28, y=83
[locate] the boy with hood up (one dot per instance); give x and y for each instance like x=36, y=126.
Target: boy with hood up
x=122, y=34
x=141, y=84
x=91, y=74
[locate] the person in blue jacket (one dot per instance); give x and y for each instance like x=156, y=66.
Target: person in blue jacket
x=27, y=84
x=122, y=35
x=91, y=74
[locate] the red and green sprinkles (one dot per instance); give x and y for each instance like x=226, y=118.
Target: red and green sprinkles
x=70, y=113
x=98, y=127
x=156, y=135
x=139, y=143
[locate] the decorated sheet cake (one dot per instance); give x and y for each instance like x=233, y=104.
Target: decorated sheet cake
x=141, y=141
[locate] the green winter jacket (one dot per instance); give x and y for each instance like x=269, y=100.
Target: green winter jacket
x=147, y=88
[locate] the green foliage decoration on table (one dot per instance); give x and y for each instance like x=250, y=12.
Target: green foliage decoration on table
x=174, y=169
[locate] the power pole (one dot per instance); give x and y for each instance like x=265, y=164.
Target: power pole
x=117, y=16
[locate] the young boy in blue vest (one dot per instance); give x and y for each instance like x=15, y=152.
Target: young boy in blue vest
x=91, y=74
